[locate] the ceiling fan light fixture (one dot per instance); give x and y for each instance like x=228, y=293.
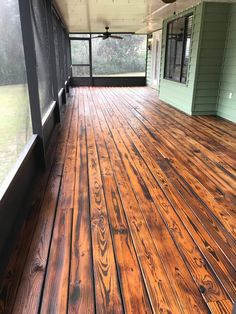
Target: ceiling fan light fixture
x=107, y=35
x=168, y=1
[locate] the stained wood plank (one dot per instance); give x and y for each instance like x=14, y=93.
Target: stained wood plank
x=145, y=218
x=180, y=278
x=223, y=269
x=200, y=269
x=198, y=131
x=81, y=287
x=135, y=300
x=222, y=307
x=219, y=210
x=161, y=295
x=107, y=292
x=201, y=162
x=167, y=152
x=55, y=293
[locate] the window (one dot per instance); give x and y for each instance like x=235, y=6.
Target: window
x=178, y=48
x=15, y=120
x=119, y=57
x=80, y=57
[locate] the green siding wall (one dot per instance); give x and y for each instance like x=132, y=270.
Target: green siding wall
x=211, y=50
x=174, y=93
x=212, y=65
x=227, y=107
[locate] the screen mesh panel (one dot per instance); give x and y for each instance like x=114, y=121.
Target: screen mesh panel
x=57, y=55
x=61, y=52
x=62, y=49
x=40, y=21
x=118, y=57
x=15, y=118
x=64, y=54
x=81, y=71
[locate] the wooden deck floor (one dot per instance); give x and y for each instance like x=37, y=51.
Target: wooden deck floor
x=138, y=215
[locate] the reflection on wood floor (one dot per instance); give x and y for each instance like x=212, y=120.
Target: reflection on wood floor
x=138, y=215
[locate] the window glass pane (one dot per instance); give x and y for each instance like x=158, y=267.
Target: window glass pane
x=15, y=121
x=187, y=48
x=119, y=57
x=178, y=48
x=80, y=51
x=43, y=53
x=175, y=49
x=80, y=71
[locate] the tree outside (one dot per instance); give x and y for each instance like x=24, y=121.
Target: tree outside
x=110, y=57
x=119, y=56
x=15, y=122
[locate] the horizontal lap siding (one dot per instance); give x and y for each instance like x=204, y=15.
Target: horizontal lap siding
x=177, y=94
x=214, y=29
x=227, y=107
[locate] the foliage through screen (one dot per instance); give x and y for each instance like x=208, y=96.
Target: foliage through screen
x=119, y=57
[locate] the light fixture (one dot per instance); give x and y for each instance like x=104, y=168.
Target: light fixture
x=168, y=1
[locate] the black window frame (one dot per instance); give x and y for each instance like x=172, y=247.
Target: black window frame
x=89, y=65
x=185, y=17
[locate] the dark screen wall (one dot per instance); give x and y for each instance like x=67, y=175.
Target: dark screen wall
x=62, y=51
x=47, y=61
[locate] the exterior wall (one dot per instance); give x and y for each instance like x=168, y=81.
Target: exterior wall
x=212, y=66
x=211, y=51
x=227, y=107
x=177, y=94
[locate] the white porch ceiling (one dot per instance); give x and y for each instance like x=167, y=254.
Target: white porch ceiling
x=139, y=16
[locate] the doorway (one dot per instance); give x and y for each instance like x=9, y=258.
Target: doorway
x=156, y=58
x=81, y=59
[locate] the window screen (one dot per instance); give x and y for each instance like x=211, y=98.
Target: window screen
x=178, y=48
x=80, y=52
x=80, y=57
x=43, y=53
x=68, y=56
x=65, y=54
x=119, y=57
x=15, y=119
x=57, y=48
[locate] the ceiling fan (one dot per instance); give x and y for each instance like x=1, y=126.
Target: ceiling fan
x=107, y=34
x=168, y=1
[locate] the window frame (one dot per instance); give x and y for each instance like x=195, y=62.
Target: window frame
x=185, y=17
x=89, y=65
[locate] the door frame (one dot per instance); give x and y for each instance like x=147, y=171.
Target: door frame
x=156, y=59
x=83, y=80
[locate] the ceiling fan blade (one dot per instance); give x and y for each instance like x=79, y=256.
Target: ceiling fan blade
x=117, y=37
x=99, y=36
